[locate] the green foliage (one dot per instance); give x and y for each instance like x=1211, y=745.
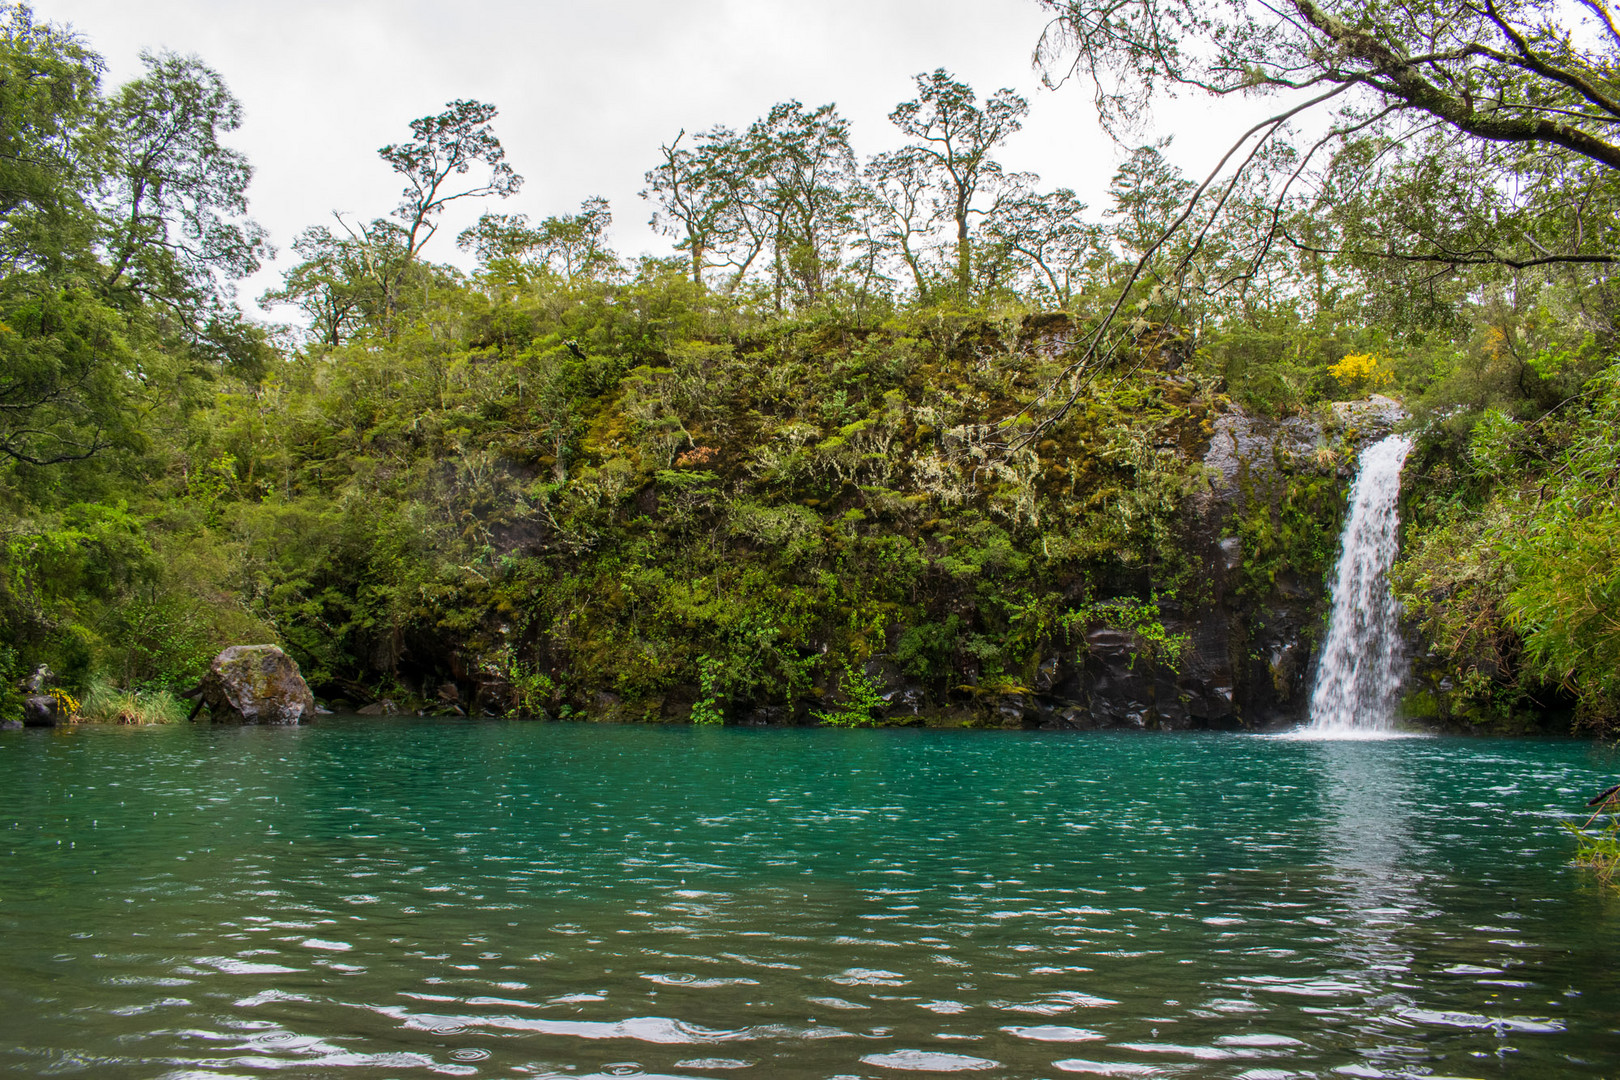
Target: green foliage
x=706, y=710
x=1565, y=600
x=1599, y=850
x=1276, y=363
x=702, y=486
x=47, y=91
x=1452, y=581
x=861, y=702
x=1293, y=532
x=924, y=651
x=533, y=691
x=1142, y=619
x=176, y=226
x=97, y=588
x=11, y=674
x=1511, y=571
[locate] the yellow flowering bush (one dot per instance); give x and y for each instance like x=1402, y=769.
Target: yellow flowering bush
x=66, y=703
x=1363, y=371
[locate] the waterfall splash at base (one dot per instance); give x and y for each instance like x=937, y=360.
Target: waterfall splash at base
x=1359, y=679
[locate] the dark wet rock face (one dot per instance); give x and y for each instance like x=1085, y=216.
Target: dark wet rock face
x=1243, y=661
x=1252, y=448
x=256, y=684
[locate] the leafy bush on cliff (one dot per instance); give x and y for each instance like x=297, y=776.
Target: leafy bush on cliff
x=1510, y=568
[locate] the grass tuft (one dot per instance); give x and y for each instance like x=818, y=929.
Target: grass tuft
x=107, y=704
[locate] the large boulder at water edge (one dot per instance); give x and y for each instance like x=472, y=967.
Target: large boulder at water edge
x=43, y=710
x=256, y=684
x=40, y=708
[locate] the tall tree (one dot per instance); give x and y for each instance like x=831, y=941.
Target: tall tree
x=901, y=196
x=123, y=225
x=349, y=279
x=174, y=198
x=58, y=396
x=693, y=201
x=499, y=238
x=575, y=245
x=746, y=224
x=1049, y=233
x=1413, y=136
x=1146, y=193
x=48, y=92
x=955, y=136
x=572, y=246
x=803, y=174
x=1508, y=94
x=444, y=147
x=330, y=286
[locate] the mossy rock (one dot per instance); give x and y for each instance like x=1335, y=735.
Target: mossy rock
x=256, y=684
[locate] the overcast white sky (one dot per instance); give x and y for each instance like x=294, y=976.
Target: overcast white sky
x=587, y=89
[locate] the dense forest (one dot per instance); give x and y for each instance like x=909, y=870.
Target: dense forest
x=876, y=440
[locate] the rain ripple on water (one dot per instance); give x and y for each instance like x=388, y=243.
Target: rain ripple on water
x=380, y=900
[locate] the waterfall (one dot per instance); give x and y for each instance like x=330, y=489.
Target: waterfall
x=1359, y=678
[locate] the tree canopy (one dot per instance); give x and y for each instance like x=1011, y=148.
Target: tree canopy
x=444, y=147
x=1448, y=133
x=123, y=226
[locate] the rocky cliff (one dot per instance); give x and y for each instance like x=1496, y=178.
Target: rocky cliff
x=1263, y=536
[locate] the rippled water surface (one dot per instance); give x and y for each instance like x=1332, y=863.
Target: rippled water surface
x=400, y=899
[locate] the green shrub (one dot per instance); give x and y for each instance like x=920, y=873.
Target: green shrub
x=11, y=697
x=1599, y=850
x=861, y=705
x=707, y=708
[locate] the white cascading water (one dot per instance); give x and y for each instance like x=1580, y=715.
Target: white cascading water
x=1359, y=679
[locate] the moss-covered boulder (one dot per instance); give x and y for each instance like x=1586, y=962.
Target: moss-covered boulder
x=256, y=684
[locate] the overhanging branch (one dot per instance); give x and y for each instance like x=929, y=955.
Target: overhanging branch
x=1457, y=258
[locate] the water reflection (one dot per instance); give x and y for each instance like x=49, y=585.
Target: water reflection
x=1368, y=803
x=1386, y=876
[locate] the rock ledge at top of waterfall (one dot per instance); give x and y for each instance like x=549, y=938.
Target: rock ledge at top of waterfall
x=1244, y=440
x=1370, y=418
